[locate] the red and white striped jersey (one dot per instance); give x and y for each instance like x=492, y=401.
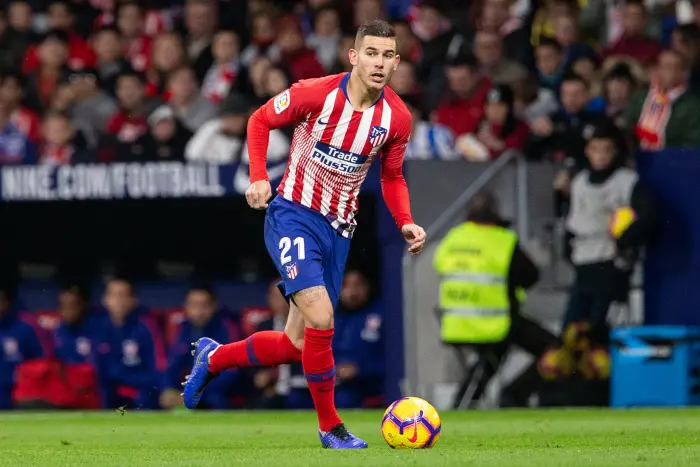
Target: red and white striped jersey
x=334, y=145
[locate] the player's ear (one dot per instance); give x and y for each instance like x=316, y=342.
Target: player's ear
x=352, y=55
x=397, y=59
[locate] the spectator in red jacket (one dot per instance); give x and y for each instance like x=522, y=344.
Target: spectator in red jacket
x=136, y=44
x=300, y=60
x=634, y=42
x=62, y=18
x=464, y=108
x=51, y=72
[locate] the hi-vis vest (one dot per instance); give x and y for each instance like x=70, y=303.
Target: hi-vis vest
x=473, y=262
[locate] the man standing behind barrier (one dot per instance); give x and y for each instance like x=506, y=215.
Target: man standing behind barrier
x=483, y=271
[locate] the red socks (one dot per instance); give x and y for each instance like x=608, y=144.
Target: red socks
x=264, y=348
x=319, y=369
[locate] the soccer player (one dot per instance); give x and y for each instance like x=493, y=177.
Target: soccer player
x=342, y=123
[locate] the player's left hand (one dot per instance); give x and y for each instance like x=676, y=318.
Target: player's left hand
x=415, y=236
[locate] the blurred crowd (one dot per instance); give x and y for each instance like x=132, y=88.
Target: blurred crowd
x=122, y=354
x=121, y=80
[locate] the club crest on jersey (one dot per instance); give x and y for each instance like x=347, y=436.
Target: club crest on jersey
x=377, y=135
x=282, y=102
x=292, y=270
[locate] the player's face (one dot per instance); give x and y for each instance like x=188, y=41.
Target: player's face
x=376, y=60
x=600, y=153
x=119, y=299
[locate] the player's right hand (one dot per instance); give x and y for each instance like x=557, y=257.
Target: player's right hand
x=258, y=193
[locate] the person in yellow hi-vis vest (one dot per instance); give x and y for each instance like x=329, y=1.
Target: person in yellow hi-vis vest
x=483, y=275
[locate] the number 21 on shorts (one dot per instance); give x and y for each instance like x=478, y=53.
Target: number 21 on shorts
x=286, y=244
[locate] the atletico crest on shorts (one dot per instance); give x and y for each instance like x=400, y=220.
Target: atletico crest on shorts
x=292, y=270
x=377, y=135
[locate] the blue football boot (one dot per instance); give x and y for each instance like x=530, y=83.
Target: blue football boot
x=200, y=377
x=340, y=438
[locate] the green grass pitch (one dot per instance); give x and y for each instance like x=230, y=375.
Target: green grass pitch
x=537, y=438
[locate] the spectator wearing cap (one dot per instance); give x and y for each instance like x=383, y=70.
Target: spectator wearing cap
x=429, y=141
x=79, y=53
x=223, y=76
x=326, y=35
x=50, y=72
x=165, y=141
x=60, y=143
x=12, y=91
x=666, y=114
x=221, y=140
x=136, y=44
x=189, y=105
x=634, y=42
x=200, y=23
x=463, y=106
x=488, y=49
x=498, y=131
x=290, y=50
x=12, y=43
x=549, y=63
x=110, y=58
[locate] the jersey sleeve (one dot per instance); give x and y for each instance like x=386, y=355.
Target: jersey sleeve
x=287, y=108
x=394, y=188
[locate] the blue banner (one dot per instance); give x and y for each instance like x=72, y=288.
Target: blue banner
x=134, y=181
x=672, y=266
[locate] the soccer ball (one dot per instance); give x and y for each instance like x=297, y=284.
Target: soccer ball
x=556, y=364
x=411, y=423
x=620, y=220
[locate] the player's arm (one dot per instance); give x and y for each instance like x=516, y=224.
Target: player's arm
x=395, y=189
x=287, y=108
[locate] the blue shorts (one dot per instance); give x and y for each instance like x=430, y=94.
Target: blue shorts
x=307, y=251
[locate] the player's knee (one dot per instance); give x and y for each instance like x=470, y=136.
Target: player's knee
x=320, y=319
x=315, y=307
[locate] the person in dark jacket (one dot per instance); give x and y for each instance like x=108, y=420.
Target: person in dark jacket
x=130, y=352
x=203, y=318
x=74, y=338
x=165, y=141
x=19, y=342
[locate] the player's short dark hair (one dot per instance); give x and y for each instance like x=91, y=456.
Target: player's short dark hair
x=75, y=288
x=375, y=28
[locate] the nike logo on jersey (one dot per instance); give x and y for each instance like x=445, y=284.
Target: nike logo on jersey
x=321, y=122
